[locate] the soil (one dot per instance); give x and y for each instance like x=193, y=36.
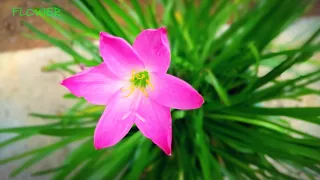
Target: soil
x=12, y=31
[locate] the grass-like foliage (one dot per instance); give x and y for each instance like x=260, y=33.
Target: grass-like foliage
x=233, y=135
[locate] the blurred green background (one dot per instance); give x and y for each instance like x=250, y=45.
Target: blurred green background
x=255, y=78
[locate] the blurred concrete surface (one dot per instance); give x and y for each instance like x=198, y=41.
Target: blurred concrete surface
x=24, y=89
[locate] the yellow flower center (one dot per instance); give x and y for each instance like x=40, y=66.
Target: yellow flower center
x=139, y=80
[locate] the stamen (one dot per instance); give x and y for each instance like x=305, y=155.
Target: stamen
x=132, y=75
x=141, y=118
x=126, y=115
x=144, y=92
x=139, y=80
x=148, y=82
x=132, y=89
x=123, y=89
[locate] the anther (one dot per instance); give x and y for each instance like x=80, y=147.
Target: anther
x=144, y=92
x=132, y=89
x=138, y=76
x=132, y=75
x=148, y=82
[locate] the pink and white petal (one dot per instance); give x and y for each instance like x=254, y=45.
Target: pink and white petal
x=119, y=55
x=154, y=121
x=96, y=84
x=173, y=92
x=116, y=121
x=152, y=45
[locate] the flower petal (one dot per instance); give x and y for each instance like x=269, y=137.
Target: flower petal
x=96, y=84
x=116, y=121
x=154, y=121
x=173, y=92
x=119, y=55
x=152, y=45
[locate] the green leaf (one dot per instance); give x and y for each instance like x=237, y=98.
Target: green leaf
x=178, y=114
x=283, y=111
x=85, y=171
x=309, y=48
x=218, y=87
x=257, y=122
x=16, y=138
x=70, y=96
x=89, y=14
x=76, y=38
x=224, y=11
x=291, y=60
x=45, y=149
x=141, y=159
x=70, y=20
x=48, y=171
x=56, y=66
x=208, y=164
x=30, y=162
x=103, y=170
x=151, y=8
x=109, y=21
x=28, y=129
x=75, y=117
x=135, y=29
x=85, y=131
x=138, y=9
x=60, y=44
x=76, y=158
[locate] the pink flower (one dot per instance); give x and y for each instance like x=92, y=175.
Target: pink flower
x=133, y=83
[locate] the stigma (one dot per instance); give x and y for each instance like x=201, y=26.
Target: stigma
x=140, y=81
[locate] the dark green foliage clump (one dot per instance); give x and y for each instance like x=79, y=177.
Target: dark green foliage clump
x=233, y=135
